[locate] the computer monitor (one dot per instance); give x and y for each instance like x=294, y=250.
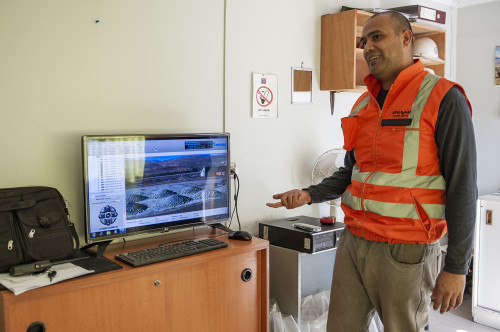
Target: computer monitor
x=153, y=183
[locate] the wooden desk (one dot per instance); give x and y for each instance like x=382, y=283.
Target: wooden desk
x=203, y=292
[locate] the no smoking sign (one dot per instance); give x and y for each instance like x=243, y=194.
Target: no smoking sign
x=264, y=96
x=265, y=91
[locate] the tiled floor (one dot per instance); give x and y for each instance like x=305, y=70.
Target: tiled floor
x=459, y=320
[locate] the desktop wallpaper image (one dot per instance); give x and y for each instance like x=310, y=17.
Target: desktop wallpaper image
x=169, y=185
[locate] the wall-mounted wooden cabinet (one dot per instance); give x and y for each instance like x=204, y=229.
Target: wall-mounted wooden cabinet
x=342, y=64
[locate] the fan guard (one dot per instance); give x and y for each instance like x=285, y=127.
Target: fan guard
x=328, y=163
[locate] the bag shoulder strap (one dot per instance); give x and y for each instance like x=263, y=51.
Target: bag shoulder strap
x=74, y=235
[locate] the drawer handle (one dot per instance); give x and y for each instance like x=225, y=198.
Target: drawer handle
x=489, y=217
x=36, y=327
x=246, y=275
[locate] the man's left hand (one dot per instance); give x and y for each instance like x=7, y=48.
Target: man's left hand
x=448, y=292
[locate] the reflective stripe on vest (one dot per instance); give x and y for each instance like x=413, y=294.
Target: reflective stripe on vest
x=396, y=210
x=399, y=179
x=407, y=178
x=362, y=104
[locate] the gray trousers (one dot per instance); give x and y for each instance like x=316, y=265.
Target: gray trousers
x=396, y=280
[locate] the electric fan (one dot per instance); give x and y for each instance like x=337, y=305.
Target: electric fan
x=328, y=163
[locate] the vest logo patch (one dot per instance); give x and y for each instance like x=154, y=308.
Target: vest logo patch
x=401, y=114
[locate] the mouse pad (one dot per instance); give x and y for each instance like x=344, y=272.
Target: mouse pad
x=99, y=265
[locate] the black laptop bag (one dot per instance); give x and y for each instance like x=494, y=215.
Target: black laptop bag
x=34, y=226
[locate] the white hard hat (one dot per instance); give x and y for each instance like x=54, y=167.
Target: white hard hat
x=430, y=70
x=426, y=48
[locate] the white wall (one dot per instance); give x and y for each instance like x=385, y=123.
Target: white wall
x=478, y=33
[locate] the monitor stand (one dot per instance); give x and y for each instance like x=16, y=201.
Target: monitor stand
x=101, y=247
x=221, y=227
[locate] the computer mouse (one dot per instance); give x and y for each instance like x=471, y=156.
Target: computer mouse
x=240, y=235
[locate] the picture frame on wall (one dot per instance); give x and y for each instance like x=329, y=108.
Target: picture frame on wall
x=497, y=66
x=301, y=85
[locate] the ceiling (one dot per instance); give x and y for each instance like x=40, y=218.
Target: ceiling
x=463, y=3
x=467, y=3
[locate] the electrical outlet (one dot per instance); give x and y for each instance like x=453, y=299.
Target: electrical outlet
x=234, y=169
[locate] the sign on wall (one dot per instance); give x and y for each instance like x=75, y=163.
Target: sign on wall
x=497, y=66
x=265, y=96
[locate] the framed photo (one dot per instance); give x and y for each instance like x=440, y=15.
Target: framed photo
x=497, y=66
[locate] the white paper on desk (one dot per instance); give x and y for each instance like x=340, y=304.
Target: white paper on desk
x=22, y=284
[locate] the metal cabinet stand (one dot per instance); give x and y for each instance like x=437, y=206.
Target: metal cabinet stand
x=294, y=274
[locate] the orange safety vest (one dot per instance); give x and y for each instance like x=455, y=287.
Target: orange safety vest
x=397, y=192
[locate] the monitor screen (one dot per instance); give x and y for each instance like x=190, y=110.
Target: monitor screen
x=142, y=183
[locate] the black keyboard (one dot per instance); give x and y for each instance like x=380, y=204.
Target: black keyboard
x=170, y=251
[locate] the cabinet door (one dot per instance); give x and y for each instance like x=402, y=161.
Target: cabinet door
x=125, y=304
x=486, y=255
x=212, y=296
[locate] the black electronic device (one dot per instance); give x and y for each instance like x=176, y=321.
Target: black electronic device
x=153, y=183
x=307, y=227
x=285, y=233
x=38, y=266
x=30, y=268
x=240, y=235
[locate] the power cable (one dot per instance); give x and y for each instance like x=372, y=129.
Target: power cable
x=237, y=192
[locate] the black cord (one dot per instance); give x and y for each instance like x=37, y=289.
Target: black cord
x=236, y=201
x=237, y=192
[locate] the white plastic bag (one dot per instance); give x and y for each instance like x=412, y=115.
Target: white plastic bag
x=314, y=312
x=275, y=318
x=290, y=325
x=309, y=310
x=322, y=301
x=276, y=322
x=376, y=324
x=304, y=326
x=314, y=316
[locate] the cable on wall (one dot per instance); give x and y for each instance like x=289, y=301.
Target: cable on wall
x=236, y=194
